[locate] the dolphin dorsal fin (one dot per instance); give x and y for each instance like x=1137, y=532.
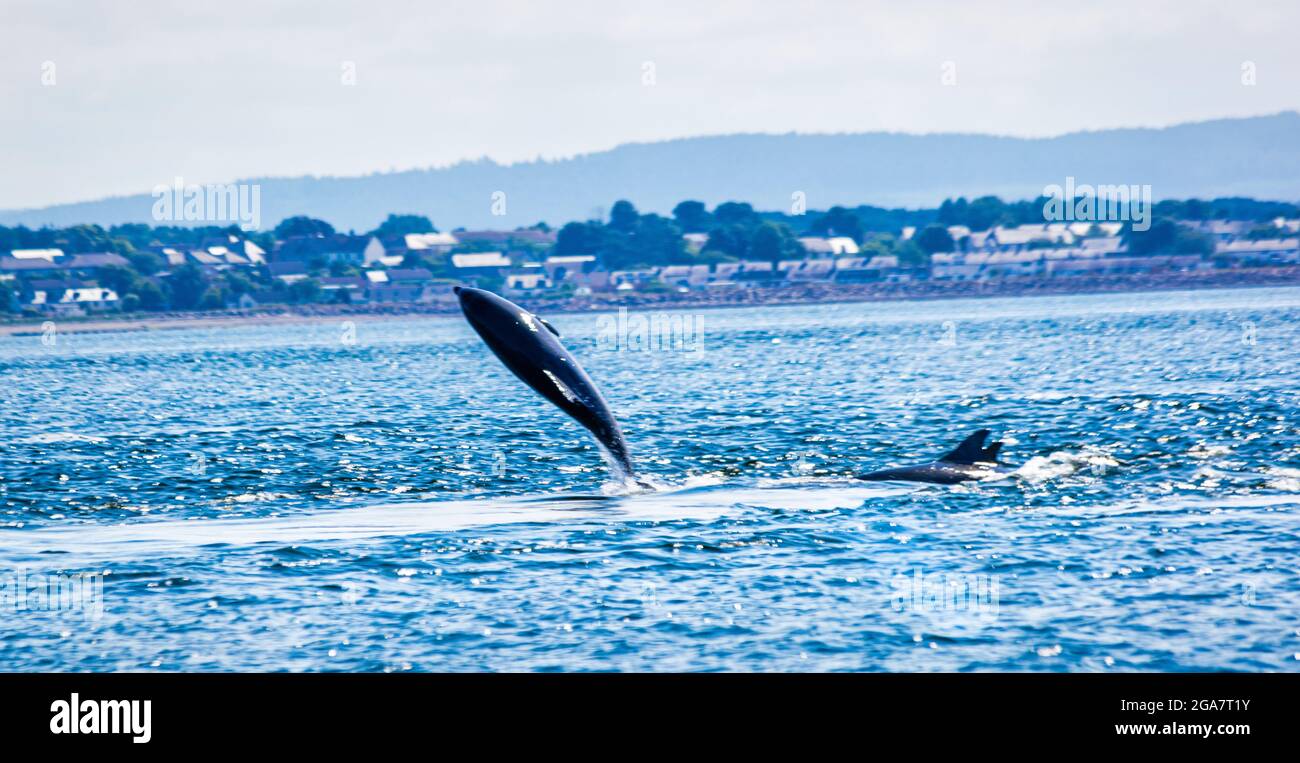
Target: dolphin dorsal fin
x=991, y=452
x=547, y=324
x=970, y=451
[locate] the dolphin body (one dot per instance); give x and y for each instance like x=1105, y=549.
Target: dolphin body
x=530, y=347
x=968, y=461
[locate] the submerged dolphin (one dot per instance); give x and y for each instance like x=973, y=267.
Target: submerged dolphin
x=530, y=347
x=968, y=461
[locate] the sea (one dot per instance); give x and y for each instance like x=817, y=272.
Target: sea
x=382, y=495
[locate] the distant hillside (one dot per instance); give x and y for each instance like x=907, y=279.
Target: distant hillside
x=1257, y=156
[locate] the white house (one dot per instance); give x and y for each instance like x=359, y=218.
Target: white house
x=431, y=242
x=522, y=282
x=567, y=266
x=841, y=245
x=1265, y=250
x=807, y=270
x=36, y=254
x=479, y=260
x=695, y=242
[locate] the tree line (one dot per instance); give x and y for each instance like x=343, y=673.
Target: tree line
x=625, y=239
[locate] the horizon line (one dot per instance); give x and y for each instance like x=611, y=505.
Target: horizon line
x=540, y=159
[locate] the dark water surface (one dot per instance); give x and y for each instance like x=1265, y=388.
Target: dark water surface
x=385, y=496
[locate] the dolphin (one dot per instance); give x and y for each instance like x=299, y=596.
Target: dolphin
x=530, y=347
x=968, y=461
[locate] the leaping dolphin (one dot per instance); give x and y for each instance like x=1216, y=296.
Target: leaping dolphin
x=530, y=347
x=968, y=461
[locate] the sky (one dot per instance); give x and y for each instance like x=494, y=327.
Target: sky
x=110, y=98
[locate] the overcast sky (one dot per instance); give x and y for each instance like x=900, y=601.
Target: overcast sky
x=143, y=92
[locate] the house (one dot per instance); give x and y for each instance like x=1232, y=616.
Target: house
x=807, y=270
x=587, y=281
x=757, y=272
x=561, y=267
x=407, y=285
x=1082, y=262
x=1003, y=264
x=685, y=276
x=409, y=275
x=398, y=248
x=695, y=242
x=36, y=254
x=348, y=289
x=236, y=250
x=1081, y=230
x=1223, y=230
x=526, y=282
x=1265, y=251
x=625, y=280
x=976, y=240
x=725, y=272
x=864, y=269
x=362, y=251
x=203, y=259
x=1028, y=235
x=36, y=299
x=403, y=285
x=434, y=243
x=288, y=271
x=240, y=254
x=95, y=260
x=479, y=263
x=11, y=266
x=44, y=293
x=832, y=245
x=1103, y=245
x=1286, y=226
x=80, y=300
x=170, y=255
x=950, y=266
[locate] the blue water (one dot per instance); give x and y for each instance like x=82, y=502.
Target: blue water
x=386, y=497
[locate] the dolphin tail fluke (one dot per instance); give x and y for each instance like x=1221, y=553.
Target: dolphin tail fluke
x=972, y=450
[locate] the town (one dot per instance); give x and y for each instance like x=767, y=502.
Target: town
x=731, y=254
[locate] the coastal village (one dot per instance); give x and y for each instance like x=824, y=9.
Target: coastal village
x=415, y=270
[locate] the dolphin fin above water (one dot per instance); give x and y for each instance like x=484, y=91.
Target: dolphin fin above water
x=536, y=356
x=972, y=450
x=547, y=324
x=968, y=461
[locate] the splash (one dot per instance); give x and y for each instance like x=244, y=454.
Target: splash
x=1064, y=463
x=1284, y=479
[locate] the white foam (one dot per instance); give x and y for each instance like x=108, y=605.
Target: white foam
x=50, y=438
x=142, y=539
x=1063, y=463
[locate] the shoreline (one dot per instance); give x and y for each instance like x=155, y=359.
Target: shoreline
x=786, y=294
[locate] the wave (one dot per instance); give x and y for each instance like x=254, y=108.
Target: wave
x=1282, y=478
x=141, y=539
x=51, y=438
